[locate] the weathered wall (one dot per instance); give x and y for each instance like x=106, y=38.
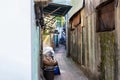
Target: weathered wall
x=74, y=45
x=107, y=44
x=101, y=50
x=83, y=41
x=90, y=46
x=94, y=48
x=83, y=38
x=106, y=67
x=90, y=5
x=69, y=39
x=90, y=22
x=79, y=40
x=117, y=23
x=74, y=37
x=71, y=43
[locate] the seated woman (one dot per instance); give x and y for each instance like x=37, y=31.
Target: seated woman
x=48, y=56
x=48, y=60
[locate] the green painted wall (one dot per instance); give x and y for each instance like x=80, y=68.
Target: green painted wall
x=35, y=45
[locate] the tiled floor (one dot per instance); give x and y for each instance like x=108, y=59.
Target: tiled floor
x=69, y=71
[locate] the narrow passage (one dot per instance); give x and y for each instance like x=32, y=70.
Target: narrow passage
x=69, y=70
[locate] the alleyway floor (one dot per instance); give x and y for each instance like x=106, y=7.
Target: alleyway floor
x=69, y=70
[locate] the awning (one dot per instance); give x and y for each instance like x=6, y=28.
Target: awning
x=56, y=9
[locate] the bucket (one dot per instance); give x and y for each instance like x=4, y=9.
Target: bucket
x=49, y=74
x=56, y=70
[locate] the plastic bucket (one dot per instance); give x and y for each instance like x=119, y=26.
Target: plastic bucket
x=49, y=74
x=56, y=70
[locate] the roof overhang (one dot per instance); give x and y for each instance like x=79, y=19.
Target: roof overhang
x=37, y=1
x=56, y=9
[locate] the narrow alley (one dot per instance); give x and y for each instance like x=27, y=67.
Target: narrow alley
x=83, y=34
x=69, y=70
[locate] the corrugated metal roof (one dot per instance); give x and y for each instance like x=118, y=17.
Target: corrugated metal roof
x=41, y=0
x=56, y=9
x=76, y=6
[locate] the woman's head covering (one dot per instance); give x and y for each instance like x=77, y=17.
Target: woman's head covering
x=48, y=51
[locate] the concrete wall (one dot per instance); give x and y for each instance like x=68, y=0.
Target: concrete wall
x=107, y=41
x=101, y=49
x=117, y=23
x=95, y=49
x=90, y=45
x=34, y=44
